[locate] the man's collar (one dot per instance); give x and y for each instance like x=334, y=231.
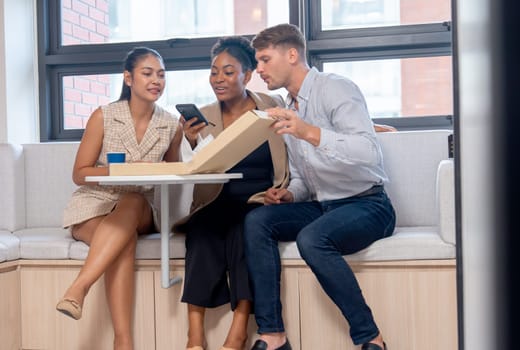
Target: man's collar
x=305, y=89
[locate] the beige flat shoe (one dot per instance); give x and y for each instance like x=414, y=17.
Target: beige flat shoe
x=226, y=348
x=197, y=347
x=70, y=308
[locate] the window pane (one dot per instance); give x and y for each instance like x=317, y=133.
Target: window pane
x=402, y=87
x=95, y=22
x=82, y=94
x=344, y=14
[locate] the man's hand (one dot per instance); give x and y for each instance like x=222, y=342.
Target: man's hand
x=384, y=128
x=277, y=196
x=288, y=122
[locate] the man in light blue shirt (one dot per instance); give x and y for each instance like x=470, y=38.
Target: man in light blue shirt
x=335, y=203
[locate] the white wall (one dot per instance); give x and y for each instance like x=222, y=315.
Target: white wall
x=477, y=171
x=19, y=121
x=3, y=106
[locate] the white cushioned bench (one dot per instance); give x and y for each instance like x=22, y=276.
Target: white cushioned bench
x=36, y=183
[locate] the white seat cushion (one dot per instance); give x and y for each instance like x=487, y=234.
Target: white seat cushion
x=9, y=246
x=44, y=243
x=148, y=247
x=406, y=243
x=12, y=185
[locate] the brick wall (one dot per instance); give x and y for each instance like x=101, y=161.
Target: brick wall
x=84, y=21
x=250, y=16
x=426, y=84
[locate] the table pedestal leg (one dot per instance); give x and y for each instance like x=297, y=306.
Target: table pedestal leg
x=166, y=282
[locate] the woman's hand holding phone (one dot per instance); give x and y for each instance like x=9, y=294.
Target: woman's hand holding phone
x=190, y=111
x=191, y=129
x=193, y=122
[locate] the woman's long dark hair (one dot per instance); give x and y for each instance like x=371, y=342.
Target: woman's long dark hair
x=131, y=59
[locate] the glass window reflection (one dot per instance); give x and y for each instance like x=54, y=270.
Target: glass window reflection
x=137, y=20
x=410, y=87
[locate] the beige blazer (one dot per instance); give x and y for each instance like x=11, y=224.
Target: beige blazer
x=203, y=194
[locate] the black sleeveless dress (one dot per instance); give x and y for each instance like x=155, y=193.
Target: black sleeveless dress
x=216, y=270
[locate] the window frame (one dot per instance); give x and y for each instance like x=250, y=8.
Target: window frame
x=373, y=43
x=390, y=42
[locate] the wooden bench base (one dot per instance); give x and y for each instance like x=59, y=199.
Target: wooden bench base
x=414, y=303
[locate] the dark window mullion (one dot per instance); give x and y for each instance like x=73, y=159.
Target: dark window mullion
x=53, y=32
x=409, y=123
x=319, y=58
x=314, y=19
x=381, y=42
x=384, y=30
x=294, y=11
x=114, y=52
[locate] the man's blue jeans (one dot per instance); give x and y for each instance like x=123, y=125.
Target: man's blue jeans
x=324, y=232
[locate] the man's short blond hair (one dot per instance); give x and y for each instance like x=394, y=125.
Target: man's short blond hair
x=285, y=35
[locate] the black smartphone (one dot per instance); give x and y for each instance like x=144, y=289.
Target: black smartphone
x=189, y=110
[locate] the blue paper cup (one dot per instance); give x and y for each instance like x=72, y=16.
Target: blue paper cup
x=116, y=157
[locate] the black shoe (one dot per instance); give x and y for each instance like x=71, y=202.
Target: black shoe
x=372, y=346
x=262, y=345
